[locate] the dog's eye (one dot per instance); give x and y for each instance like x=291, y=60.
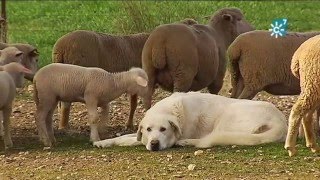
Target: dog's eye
x=148, y=129
x=162, y=129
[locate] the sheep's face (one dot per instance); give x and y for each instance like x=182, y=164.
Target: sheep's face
x=30, y=61
x=10, y=54
x=232, y=21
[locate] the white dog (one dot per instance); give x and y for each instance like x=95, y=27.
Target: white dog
x=204, y=120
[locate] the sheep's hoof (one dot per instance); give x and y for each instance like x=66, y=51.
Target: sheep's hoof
x=291, y=151
x=315, y=149
x=8, y=145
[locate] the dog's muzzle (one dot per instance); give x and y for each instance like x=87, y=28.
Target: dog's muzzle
x=155, y=144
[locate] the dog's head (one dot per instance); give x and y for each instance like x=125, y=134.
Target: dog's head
x=159, y=131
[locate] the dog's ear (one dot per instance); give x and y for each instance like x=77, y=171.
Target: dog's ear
x=139, y=133
x=176, y=128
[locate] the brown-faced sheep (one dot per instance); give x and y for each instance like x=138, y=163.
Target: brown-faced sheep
x=30, y=57
x=258, y=61
x=305, y=65
x=109, y=52
x=93, y=86
x=8, y=91
x=182, y=58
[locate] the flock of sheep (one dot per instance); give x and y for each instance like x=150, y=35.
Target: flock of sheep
x=96, y=68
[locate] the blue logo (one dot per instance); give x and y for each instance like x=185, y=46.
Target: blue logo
x=279, y=27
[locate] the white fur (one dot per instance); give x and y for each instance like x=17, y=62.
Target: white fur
x=204, y=120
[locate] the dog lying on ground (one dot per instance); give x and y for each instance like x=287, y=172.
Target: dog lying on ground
x=204, y=120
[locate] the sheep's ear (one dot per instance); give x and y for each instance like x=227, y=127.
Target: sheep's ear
x=141, y=81
x=176, y=129
x=139, y=133
x=34, y=52
x=227, y=17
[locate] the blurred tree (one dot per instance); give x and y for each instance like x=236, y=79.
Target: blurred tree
x=3, y=22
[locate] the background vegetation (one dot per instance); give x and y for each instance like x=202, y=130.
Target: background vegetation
x=41, y=23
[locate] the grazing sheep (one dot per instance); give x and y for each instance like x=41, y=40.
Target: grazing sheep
x=93, y=86
x=29, y=59
x=256, y=66
x=305, y=65
x=183, y=58
x=109, y=52
x=10, y=54
x=8, y=91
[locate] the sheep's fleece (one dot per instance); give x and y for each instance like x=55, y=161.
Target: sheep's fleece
x=205, y=120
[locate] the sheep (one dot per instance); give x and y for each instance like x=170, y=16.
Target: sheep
x=109, y=52
x=305, y=65
x=183, y=58
x=8, y=91
x=93, y=86
x=255, y=66
x=30, y=57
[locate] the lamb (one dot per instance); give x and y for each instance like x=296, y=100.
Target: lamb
x=109, y=52
x=256, y=66
x=93, y=86
x=30, y=57
x=8, y=91
x=305, y=65
x=183, y=58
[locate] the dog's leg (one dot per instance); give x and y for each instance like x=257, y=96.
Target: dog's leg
x=125, y=140
x=187, y=142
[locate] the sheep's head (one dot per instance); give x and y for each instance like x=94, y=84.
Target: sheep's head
x=30, y=58
x=230, y=21
x=17, y=71
x=140, y=86
x=10, y=54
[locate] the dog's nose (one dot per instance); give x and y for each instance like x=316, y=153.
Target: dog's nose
x=154, y=145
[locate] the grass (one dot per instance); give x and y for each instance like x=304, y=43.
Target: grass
x=41, y=23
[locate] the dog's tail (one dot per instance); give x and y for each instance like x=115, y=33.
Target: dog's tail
x=274, y=133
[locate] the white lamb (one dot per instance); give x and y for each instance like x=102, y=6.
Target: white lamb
x=93, y=86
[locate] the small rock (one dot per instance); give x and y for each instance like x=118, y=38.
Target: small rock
x=233, y=146
x=46, y=148
x=197, y=153
x=191, y=167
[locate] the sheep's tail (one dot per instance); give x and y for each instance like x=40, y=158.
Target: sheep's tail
x=35, y=92
x=276, y=133
x=295, y=66
x=57, y=55
x=234, y=54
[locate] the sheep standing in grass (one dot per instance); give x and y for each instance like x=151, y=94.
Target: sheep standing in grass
x=93, y=86
x=7, y=94
x=305, y=65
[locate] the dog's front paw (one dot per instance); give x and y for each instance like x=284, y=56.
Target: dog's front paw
x=103, y=143
x=183, y=142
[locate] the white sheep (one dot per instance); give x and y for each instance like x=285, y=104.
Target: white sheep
x=305, y=65
x=93, y=86
x=8, y=92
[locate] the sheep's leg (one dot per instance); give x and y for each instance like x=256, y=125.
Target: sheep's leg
x=236, y=91
x=104, y=118
x=65, y=111
x=247, y=94
x=1, y=124
x=93, y=120
x=316, y=122
x=215, y=87
x=183, y=80
x=309, y=132
x=6, y=126
x=133, y=107
x=296, y=114
x=49, y=123
x=41, y=116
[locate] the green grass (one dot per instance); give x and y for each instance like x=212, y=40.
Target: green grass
x=41, y=23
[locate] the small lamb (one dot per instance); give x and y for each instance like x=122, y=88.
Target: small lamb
x=8, y=92
x=93, y=86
